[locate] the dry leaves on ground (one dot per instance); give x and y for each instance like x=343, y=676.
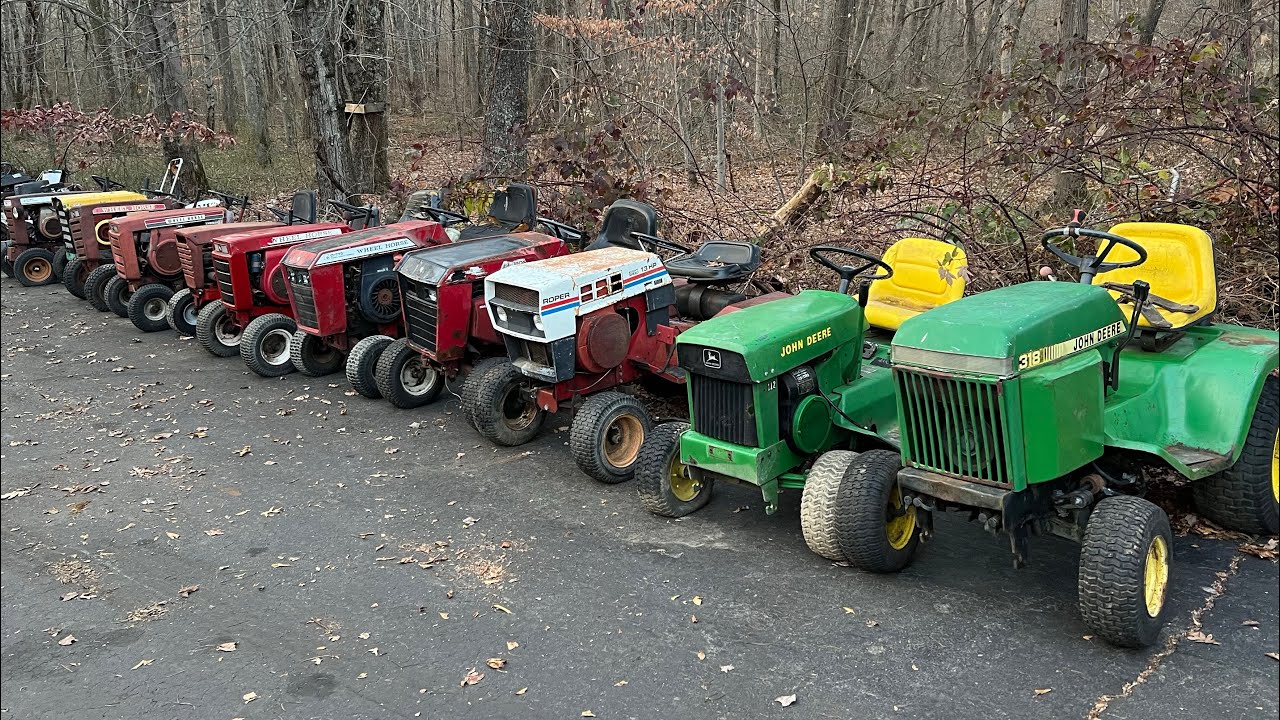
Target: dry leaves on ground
x=785, y=700
x=472, y=677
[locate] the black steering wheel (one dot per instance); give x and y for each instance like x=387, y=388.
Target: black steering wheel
x=646, y=240
x=106, y=183
x=1091, y=265
x=445, y=217
x=848, y=272
x=568, y=233
x=230, y=200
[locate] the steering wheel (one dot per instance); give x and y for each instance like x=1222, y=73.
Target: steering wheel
x=646, y=239
x=568, y=233
x=444, y=217
x=1091, y=265
x=106, y=183
x=230, y=200
x=848, y=272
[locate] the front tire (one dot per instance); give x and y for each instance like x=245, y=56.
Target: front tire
x=312, y=356
x=607, y=434
x=217, y=331
x=117, y=294
x=818, y=503
x=664, y=484
x=493, y=401
x=149, y=308
x=60, y=261
x=876, y=532
x=405, y=377
x=95, y=286
x=5, y=265
x=1246, y=496
x=264, y=347
x=34, y=267
x=182, y=313
x=362, y=363
x=1124, y=570
x=74, y=276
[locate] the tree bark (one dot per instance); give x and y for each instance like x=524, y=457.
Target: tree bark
x=215, y=16
x=315, y=49
x=248, y=54
x=1147, y=23
x=510, y=40
x=831, y=133
x=103, y=51
x=1073, y=29
x=364, y=74
x=161, y=56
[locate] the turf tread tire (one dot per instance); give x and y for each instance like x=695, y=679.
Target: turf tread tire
x=362, y=364
x=1112, y=568
x=251, y=339
x=387, y=376
x=482, y=394
x=865, y=489
x=589, y=423
x=1240, y=498
x=74, y=276
x=95, y=287
x=117, y=294
x=175, y=316
x=303, y=349
x=138, y=305
x=60, y=261
x=818, y=503
x=652, y=472
x=207, y=322
x=27, y=256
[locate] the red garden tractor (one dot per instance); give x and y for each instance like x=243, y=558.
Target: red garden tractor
x=144, y=247
x=341, y=290
x=580, y=326
x=446, y=324
x=30, y=231
x=195, y=253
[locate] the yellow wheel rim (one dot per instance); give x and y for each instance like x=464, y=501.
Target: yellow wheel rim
x=39, y=270
x=1275, y=469
x=1157, y=575
x=622, y=440
x=899, y=528
x=684, y=487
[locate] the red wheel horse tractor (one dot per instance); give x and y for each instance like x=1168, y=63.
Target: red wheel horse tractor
x=580, y=326
x=31, y=237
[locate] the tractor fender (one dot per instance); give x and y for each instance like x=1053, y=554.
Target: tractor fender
x=1193, y=403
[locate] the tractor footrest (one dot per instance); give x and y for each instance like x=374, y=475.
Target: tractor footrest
x=953, y=489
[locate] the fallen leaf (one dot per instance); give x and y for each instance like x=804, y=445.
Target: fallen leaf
x=849, y=611
x=67, y=640
x=362, y=676
x=522, y=691
x=873, y=623
x=588, y=713
x=186, y=591
x=501, y=608
x=697, y=599
x=373, y=650
x=242, y=452
x=786, y=700
x=1202, y=637
x=16, y=493
x=496, y=663
x=471, y=678
x=172, y=535
x=249, y=697
x=213, y=532
x=701, y=655
x=725, y=668
x=227, y=647
x=444, y=616
x=693, y=619
x=620, y=683
x=280, y=565
x=364, y=636
x=512, y=645
x=1274, y=656
x=271, y=512
x=1043, y=691
x=1250, y=623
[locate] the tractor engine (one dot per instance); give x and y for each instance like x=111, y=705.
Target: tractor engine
x=1006, y=389
x=578, y=313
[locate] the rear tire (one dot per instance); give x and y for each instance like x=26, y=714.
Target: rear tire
x=663, y=482
x=117, y=294
x=5, y=266
x=217, y=332
x=149, y=308
x=95, y=286
x=875, y=532
x=264, y=347
x=492, y=401
x=312, y=356
x=818, y=503
x=607, y=434
x=74, y=276
x=362, y=363
x=1246, y=496
x=405, y=377
x=182, y=313
x=1124, y=570
x=34, y=267
x=60, y=261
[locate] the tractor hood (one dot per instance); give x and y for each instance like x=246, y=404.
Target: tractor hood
x=248, y=240
x=773, y=337
x=432, y=265
x=43, y=198
x=382, y=240
x=174, y=218
x=74, y=200
x=1004, y=331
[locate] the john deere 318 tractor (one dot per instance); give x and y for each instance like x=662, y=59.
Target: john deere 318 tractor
x=1033, y=409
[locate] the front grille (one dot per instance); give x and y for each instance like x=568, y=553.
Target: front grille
x=421, y=315
x=304, y=303
x=190, y=273
x=723, y=409
x=222, y=271
x=516, y=295
x=68, y=230
x=117, y=254
x=955, y=426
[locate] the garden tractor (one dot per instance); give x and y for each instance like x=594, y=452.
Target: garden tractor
x=1033, y=410
x=195, y=254
x=445, y=320
x=580, y=326
x=33, y=230
x=144, y=248
x=342, y=289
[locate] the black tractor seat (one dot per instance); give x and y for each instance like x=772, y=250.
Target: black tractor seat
x=718, y=261
x=511, y=210
x=623, y=218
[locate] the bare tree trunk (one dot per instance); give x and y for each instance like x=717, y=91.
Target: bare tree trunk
x=363, y=40
x=1073, y=29
x=832, y=133
x=1149, y=20
x=315, y=48
x=37, y=85
x=249, y=52
x=215, y=16
x=103, y=55
x=1011, y=12
x=162, y=57
x=510, y=40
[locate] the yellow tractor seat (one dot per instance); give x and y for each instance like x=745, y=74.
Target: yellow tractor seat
x=926, y=274
x=1179, y=267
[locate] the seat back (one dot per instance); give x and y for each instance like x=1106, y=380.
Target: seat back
x=302, y=211
x=621, y=219
x=515, y=206
x=1179, y=267
x=729, y=253
x=919, y=282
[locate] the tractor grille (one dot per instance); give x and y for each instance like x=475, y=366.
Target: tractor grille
x=420, y=315
x=190, y=272
x=68, y=229
x=117, y=248
x=955, y=426
x=516, y=295
x=222, y=271
x=723, y=409
x=304, y=302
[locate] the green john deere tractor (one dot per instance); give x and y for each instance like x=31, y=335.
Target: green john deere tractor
x=1032, y=409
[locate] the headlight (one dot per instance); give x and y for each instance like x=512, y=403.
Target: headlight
x=220, y=247
x=75, y=214
x=8, y=203
x=501, y=312
x=537, y=322
x=431, y=295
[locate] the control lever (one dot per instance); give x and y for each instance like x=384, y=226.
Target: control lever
x=1141, y=291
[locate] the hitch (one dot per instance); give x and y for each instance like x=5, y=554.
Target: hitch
x=1141, y=291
